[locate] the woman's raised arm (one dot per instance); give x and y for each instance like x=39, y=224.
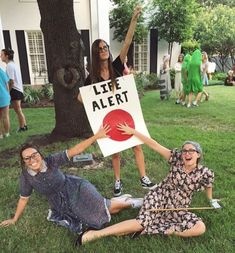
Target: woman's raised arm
x=130, y=33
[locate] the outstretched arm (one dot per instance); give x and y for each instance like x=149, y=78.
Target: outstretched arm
x=130, y=34
x=165, y=152
x=19, y=210
x=79, y=148
x=213, y=202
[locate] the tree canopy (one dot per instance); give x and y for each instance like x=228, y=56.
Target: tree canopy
x=174, y=19
x=120, y=18
x=216, y=32
x=214, y=3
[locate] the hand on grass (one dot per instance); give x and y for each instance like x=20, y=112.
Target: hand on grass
x=7, y=223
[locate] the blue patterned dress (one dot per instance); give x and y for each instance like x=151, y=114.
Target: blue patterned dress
x=74, y=202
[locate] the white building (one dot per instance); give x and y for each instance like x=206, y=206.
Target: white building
x=20, y=30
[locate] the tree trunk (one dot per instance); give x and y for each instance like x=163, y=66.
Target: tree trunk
x=64, y=52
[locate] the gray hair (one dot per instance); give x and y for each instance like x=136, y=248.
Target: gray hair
x=196, y=146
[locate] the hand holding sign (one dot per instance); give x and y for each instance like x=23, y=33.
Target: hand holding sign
x=102, y=133
x=125, y=129
x=115, y=118
x=105, y=107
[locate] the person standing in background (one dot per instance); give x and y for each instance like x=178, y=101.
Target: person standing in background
x=15, y=86
x=194, y=78
x=165, y=78
x=178, y=82
x=184, y=78
x=4, y=105
x=204, y=68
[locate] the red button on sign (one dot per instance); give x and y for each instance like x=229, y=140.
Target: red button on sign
x=115, y=117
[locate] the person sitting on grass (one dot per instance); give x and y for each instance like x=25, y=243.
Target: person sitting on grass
x=75, y=203
x=230, y=79
x=185, y=177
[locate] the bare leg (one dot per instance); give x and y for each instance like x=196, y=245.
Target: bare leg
x=190, y=98
x=116, y=165
x=17, y=108
x=118, y=205
x=198, y=97
x=122, y=228
x=198, y=229
x=139, y=157
x=1, y=125
x=6, y=120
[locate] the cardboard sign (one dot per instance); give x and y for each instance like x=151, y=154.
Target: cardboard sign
x=104, y=106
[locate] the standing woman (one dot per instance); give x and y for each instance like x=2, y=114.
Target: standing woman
x=165, y=78
x=178, y=81
x=4, y=104
x=204, y=69
x=15, y=86
x=103, y=68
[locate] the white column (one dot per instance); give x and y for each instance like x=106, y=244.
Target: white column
x=99, y=12
x=2, y=45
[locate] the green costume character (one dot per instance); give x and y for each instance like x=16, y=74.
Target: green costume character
x=194, y=72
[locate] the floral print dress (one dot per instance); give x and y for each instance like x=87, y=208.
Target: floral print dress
x=175, y=191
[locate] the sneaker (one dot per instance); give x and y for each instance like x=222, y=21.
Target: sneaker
x=195, y=103
x=135, y=202
x=177, y=102
x=183, y=103
x=117, y=191
x=6, y=135
x=22, y=129
x=146, y=183
x=188, y=105
x=123, y=197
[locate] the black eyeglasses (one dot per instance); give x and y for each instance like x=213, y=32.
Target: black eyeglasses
x=189, y=151
x=32, y=156
x=103, y=49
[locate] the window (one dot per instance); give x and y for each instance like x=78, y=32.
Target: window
x=37, y=57
x=141, y=56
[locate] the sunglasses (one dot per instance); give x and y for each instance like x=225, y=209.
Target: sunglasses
x=103, y=49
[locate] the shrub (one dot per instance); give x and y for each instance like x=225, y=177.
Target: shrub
x=189, y=46
x=31, y=96
x=47, y=91
x=219, y=76
x=153, y=81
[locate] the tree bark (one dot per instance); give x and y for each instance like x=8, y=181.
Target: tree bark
x=64, y=52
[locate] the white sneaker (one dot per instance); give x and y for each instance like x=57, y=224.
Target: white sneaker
x=135, y=202
x=188, y=105
x=123, y=197
x=183, y=103
x=195, y=103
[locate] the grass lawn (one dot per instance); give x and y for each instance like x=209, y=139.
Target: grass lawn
x=212, y=124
